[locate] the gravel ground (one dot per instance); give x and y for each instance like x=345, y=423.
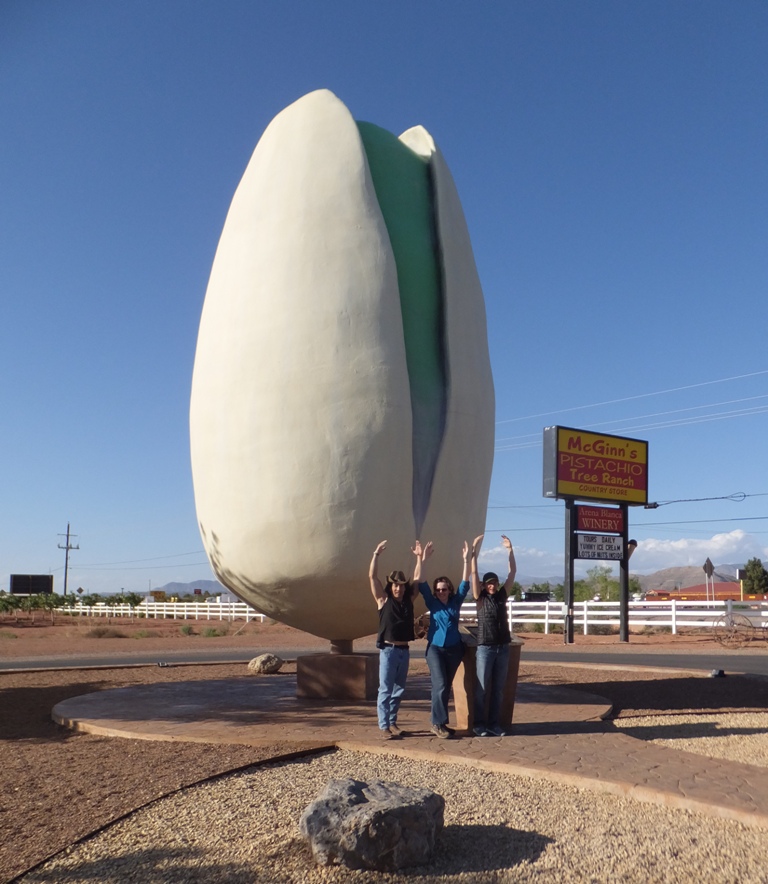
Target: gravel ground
x=243, y=828
x=59, y=786
x=737, y=737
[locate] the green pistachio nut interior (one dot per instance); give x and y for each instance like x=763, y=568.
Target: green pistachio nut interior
x=403, y=185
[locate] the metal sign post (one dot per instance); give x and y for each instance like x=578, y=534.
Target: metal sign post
x=624, y=579
x=570, y=556
x=709, y=577
x=598, y=468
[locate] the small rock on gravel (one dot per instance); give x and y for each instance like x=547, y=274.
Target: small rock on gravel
x=265, y=664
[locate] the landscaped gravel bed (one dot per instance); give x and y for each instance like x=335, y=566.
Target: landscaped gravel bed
x=59, y=785
x=739, y=736
x=499, y=828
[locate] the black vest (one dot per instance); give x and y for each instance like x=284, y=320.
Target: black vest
x=396, y=620
x=492, y=623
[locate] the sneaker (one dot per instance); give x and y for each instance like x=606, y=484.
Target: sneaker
x=396, y=732
x=439, y=731
x=497, y=732
x=481, y=731
x=450, y=730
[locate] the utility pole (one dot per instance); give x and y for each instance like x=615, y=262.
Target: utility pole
x=68, y=546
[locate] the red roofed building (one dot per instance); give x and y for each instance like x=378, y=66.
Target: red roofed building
x=703, y=593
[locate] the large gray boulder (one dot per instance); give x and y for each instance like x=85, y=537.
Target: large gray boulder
x=376, y=825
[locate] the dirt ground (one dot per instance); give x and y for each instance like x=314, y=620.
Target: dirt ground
x=59, y=786
x=75, y=636
x=23, y=637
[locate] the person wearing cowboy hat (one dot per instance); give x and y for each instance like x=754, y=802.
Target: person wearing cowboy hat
x=395, y=604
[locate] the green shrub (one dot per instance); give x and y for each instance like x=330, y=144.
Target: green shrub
x=210, y=632
x=146, y=633
x=105, y=632
x=522, y=628
x=5, y=634
x=186, y=629
x=602, y=629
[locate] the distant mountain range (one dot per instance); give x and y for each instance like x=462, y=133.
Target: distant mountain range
x=668, y=578
x=211, y=586
x=680, y=578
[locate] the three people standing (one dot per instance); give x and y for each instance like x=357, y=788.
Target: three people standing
x=445, y=648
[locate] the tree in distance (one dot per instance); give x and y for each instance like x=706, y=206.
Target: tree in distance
x=756, y=579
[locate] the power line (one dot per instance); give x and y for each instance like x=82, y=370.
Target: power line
x=704, y=521
x=537, y=435
x=736, y=497
x=648, y=524
x=662, y=425
x=140, y=567
x=632, y=398
x=196, y=552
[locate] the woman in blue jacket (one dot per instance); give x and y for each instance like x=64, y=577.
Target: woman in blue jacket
x=445, y=648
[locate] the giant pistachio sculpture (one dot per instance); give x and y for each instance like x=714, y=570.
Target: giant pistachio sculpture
x=342, y=391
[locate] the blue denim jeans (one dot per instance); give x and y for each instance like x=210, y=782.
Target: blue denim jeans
x=443, y=663
x=393, y=670
x=491, y=663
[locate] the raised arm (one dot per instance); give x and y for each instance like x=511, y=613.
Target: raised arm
x=475, y=577
x=512, y=564
x=422, y=554
x=462, y=591
x=377, y=590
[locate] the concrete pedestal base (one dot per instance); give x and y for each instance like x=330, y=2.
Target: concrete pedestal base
x=464, y=688
x=337, y=676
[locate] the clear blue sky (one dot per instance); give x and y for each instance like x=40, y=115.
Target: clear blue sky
x=611, y=160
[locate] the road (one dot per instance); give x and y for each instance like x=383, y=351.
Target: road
x=753, y=662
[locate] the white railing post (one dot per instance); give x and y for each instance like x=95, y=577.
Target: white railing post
x=585, y=615
x=674, y=616
x=546, y=618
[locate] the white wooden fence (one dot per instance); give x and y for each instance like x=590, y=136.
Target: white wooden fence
x=672, y=614
x=171, y=610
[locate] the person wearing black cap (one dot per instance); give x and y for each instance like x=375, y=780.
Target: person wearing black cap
x=493, y=641
x=395, y=603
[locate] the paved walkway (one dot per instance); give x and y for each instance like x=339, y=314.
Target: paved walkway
x=558, y=734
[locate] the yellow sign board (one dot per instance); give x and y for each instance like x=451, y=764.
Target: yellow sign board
x=595, y=466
